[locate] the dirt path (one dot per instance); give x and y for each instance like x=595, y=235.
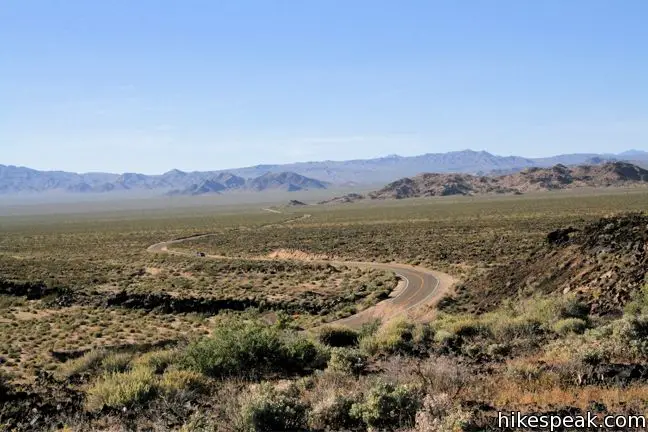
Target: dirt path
x=416, y=296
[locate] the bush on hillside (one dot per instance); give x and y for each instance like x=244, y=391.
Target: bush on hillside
x=122, y=389
x=439, y=415
x=398, y=337
x=633, y=330
x=159, y=361
x=116, y=362
x=349, y=361
x=333, y=412
x=387, y=406
x=250, y=349
x=570, y=325
x=271, y=410
x=338, y=336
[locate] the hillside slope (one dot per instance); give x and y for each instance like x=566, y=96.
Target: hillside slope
x=603, y=263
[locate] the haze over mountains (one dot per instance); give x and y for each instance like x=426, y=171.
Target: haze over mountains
x=290, y=177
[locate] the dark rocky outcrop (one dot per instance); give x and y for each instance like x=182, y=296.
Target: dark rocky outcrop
x=560, y=236
x=604, y=264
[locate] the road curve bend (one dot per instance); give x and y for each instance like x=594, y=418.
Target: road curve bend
x=418, y=292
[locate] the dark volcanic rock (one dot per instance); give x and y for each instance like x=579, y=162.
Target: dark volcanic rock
x=616, y=374
x=560, y=236
x=603, y=264
x=296, y=203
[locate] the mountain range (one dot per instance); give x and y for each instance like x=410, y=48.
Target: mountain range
x=222, y=182
x=291, y=177
x=610, y=174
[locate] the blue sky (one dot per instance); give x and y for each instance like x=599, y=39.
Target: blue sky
x=150, y=85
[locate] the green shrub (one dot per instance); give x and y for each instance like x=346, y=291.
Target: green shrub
x=387, y=406
x=506, y=329
x=548, y=310
x=299, y=353
x=639, y=303
x=338, y=336
x=369, y=328
x=177, y=380
x=634, y=331
x=398, y=336
x=121, y=389
x=445, y=339
x=423, y=334
x=522, y=371
x=270, y=410
x=572, y=308
x=592, y=356
x=469, y=327
x=244, y=348
x=5, y=386
x=634, y=307
x=498, y=350
x=350, y=361
x=333, y=412
x=462, y=326
x=395, y=336
x=570, y=325
x=158, y=361
x=439, y=415
x=116, y=362
x=84, y=364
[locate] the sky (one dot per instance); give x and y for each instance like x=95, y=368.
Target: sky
x=151, y=85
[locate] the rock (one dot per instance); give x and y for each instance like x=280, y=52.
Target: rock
x=560, y=236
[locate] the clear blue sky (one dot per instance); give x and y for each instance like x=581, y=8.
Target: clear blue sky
x=150, y=85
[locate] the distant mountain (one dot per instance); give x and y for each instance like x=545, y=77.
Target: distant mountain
x=634, y=154
x=20, y=179
x=359, y=172
x=222, y=182
x=202, y=188
x=230, y=181
x=289, y=181
x=611, y=174
x=381, y=170
x=390, y=168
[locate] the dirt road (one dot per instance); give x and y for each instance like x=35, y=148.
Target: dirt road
x=419, y=291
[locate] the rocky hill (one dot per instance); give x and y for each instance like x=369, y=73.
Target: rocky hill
x=561, y=177
x=348, y=198
x=611, y=174
x=603, y=263
x=434, y=184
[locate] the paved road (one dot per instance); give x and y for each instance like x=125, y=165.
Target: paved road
x=419, y=286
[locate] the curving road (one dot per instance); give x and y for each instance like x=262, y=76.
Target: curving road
x=419, y=290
